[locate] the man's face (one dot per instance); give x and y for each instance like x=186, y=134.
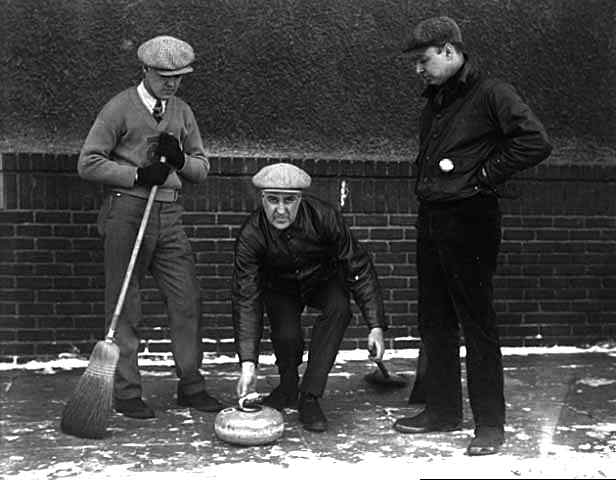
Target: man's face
x=161, y=86
x=433, y=65
x=281, y=207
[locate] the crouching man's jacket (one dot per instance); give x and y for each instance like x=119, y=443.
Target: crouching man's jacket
x=317, y=246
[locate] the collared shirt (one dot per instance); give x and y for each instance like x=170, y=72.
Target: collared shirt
x=148, y=99
x=475, y=133
x=123, y=138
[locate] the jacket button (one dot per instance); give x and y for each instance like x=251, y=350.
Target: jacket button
x=446, y=165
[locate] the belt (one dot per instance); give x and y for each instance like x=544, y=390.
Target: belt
x=167, y=195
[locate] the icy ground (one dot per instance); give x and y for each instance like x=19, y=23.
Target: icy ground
x=561, y=406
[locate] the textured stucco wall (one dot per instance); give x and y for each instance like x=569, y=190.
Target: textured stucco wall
x=324, y=74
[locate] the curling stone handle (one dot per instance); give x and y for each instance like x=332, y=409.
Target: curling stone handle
x=382, y=368
x=253, y=398
x=379, y=363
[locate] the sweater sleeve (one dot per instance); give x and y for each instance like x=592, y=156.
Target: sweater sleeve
x=197, y=165
x=95, y=163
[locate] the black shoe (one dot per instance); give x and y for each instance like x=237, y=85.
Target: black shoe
x=134, y=408
x=199, y=401
x=422, y=424
x=310, y=414
x=487, y=441
x=280, y=399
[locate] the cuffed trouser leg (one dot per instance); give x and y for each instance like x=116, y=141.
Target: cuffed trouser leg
x=173, y=268
x=166, y=252
x=118, y=222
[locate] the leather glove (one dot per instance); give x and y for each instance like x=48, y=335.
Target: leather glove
x=169, y=147
x=154, y=174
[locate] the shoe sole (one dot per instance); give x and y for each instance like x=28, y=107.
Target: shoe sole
x=135, y=417
x=315, y=428
x=481, y=451
x=445, y=428
x=292, y=406
x=208, y=410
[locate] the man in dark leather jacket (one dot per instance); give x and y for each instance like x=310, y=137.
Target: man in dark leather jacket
x=296, y=251
x=475, y=133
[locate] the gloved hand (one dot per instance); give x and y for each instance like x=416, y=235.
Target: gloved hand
x=154, y=174
x=169, y=147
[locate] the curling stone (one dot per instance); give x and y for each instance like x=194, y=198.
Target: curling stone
x=249, y=423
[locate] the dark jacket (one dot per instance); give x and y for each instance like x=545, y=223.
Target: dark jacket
x=483, y=128
x=315, y=247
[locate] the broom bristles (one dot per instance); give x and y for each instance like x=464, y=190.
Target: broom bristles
x=87, y=412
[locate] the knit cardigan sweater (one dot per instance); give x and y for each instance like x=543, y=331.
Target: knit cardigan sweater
x=124, y=137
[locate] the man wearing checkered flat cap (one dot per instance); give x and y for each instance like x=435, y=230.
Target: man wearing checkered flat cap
x=123, y=151
x=296, y=251
x=475, y=133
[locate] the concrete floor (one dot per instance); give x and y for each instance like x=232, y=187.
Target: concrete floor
x=561, y=423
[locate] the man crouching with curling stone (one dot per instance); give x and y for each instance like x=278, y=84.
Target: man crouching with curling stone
x=296, y=251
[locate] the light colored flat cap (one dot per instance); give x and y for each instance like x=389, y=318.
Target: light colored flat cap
x=168, y=55
x=281, y=176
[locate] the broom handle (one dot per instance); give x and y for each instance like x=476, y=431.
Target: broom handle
x=131, y=264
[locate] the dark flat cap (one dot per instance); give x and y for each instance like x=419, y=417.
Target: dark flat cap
x=432, y=32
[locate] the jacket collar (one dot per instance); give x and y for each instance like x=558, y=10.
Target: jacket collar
x=464, y=77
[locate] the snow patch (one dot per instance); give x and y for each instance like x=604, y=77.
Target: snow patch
x=71, y=361
x=596, y=382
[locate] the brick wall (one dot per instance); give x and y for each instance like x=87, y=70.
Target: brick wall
x=556, y=281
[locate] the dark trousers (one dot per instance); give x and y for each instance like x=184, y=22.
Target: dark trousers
x=284, y=314
x=166, y=253
x=457, y=249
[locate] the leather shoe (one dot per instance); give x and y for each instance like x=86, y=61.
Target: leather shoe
x=134, y=408
x=199, y=401
x=421, y=423
x=487, y=441
x=310, y=414
x=280, y=399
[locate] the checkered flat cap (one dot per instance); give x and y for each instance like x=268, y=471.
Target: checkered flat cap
x=168, y=55
x=281, y=176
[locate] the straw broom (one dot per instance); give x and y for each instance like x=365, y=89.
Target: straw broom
x=87, y=412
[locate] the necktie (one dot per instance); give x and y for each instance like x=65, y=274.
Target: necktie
x=158, y=110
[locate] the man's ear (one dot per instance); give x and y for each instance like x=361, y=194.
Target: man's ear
x=449, y=50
